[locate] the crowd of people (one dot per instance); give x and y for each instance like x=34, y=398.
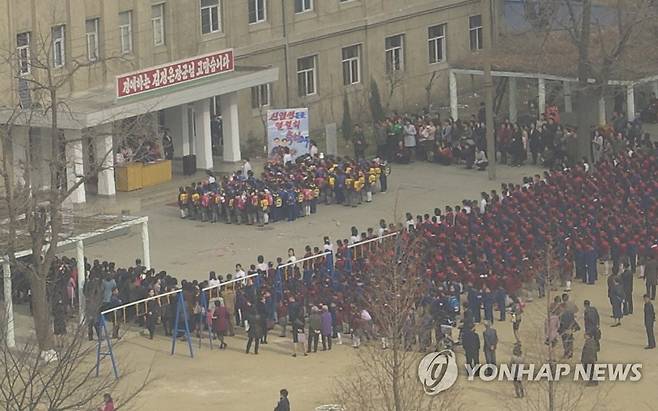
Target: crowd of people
x=482, y=251
x=546, y=142
x=285, y=191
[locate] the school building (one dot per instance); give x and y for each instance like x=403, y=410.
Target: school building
x=185, y=64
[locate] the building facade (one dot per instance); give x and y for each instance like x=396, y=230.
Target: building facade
x=288, y=53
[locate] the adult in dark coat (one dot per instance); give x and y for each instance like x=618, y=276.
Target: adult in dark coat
x=649, y=320
x=651, y=276
x=490, y=339
x=588, y=357
x=617, y=299
x=283, y=404
x=471, y=344
x=627, y=284
x=255, y=329
x=592, y=322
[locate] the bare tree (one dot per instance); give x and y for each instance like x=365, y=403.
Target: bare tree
x=36, y=218
x=27, y=382
x=387, y=379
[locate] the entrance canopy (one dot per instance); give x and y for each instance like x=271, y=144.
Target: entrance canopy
x=94, y=107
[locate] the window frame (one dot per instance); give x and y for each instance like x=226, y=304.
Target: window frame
x=58, y=46
x=258, y=18
x=303, y=9
x=129, y=26
x=349, y=61
x=217, y=7
x=257, y=100
x=93, y=36
x=436, y=41
x=479, y=33
x=305, y=72
x=24, y=61
x=158, y=24
x=390, y=62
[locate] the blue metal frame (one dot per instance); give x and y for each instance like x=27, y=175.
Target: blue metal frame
x=180, y=309
x=101, y=332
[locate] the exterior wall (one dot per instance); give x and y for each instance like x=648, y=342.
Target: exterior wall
x=330, y=26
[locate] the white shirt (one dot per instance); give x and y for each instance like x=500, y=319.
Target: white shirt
x=246, y=168
x=241, y=274
x=354, y=239
x=213, y=283
x=287, y=158
x=262, y=267
x=211, y=179
x=292, y=259
x=365, y=315
x=483, y=206
x=314, y=151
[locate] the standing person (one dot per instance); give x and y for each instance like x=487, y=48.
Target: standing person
x=651, y=276
x=151, y=313
x=517, y=314
x=59, y=319
x=167, y=145
x=296, y=320
x=649, y=320
x=627, y=285
x=314, y=324
x=220, y=322
x=588, y=358
x=255, y=329
x=326, y=328
x=490, y=339
x=283, y=404
x=410, y=138
x=597, y=146
x=617, y=299
x=592, y=322
x=471, y=344
x=515, y=362
x=567, y=327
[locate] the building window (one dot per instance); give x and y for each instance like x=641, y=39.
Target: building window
x=394, y=53
x=475, y=32
x=210, y=22
x=126, y=31
x=91, y=29
x=352, y=64
x=158, y=23
x=302, y=6
x=59, y=58
x=260, y=96
x=306, y=76
x=23, y=52
x=436, y=42
x=256, y=11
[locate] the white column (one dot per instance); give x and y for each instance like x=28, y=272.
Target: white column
x=80, y=259
x=602, y=114
x=541, y=96
x=452, y=84
x=513, y=113
x=146, y=247
x=568, y=106
x=105, y=156
x=74, y=164
x=630, y=102
x=9, y=309
x=176, y=121
x=654, y=87
x=231, y=127
x=20, y=142
x=203, y=139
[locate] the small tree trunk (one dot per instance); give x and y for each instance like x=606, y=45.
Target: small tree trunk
x=41, y=314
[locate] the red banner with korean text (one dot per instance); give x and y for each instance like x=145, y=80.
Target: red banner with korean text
x=178, y=72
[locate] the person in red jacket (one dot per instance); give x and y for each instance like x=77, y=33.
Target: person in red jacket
x=108, y=403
